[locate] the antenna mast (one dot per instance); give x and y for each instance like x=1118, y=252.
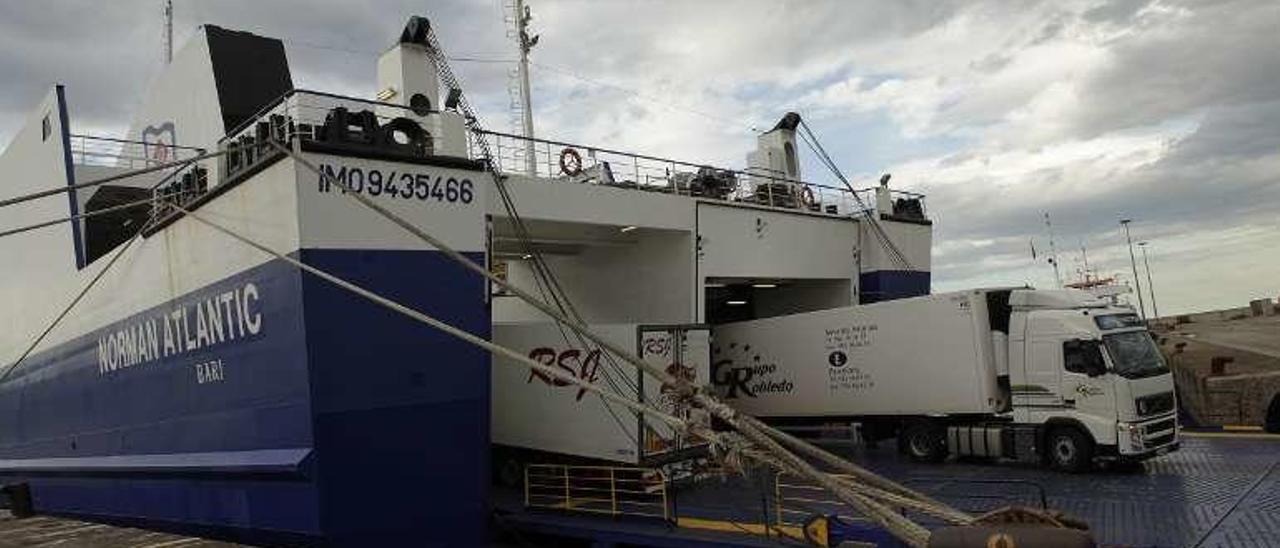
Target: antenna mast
x=168, y=31
x=1053, y=251
x=521, y=101
x=1084, y=254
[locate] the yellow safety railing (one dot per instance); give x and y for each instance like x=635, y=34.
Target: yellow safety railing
x=797, y=501
x=611, y=490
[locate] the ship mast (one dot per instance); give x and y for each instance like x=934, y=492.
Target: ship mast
x=1053, y=251
x=522, y=103
x=168, y=31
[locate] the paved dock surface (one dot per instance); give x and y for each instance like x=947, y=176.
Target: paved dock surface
x=1220, y=490
x=45, y=531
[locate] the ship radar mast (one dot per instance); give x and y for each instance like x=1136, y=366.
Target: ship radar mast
x=518, y=18
x=168, y=31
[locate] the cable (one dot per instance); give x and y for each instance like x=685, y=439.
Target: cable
x=111, y=178
x=907, y=530
x=744, y=424
x=519, y=359
x=88, y=215
x=544, y=278
x=68, y=308
x=885, y=241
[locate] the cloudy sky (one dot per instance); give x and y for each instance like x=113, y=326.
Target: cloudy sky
x=1165, y=112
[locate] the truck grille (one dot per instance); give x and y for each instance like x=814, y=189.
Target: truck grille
x=1155, y=404
x=1161, y=440
x=1159, y=426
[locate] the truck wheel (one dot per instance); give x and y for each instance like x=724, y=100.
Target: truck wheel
x=923, y=441
x=1069, y=450
x=1272, y=424
x=510, y=473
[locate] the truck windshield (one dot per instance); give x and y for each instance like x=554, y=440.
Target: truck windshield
x=1134, y=354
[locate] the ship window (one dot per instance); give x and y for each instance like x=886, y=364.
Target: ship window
x=46, y=128
x=790, y=150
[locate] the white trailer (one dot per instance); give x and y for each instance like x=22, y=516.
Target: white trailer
x=1008, y=373
x=536, y=417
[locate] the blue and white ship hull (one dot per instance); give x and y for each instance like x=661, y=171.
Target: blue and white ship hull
x=204, y=385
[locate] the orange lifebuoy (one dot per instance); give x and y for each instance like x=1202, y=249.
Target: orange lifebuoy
x=570, y=162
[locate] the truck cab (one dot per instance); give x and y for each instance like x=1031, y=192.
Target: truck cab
x=1089, y=376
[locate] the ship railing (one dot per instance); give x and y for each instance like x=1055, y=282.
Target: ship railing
x=305, y=113
x=610, y=490
x=179, y=184
x=325, y=121
x=93, y=150
x=576, y=163
x=796, y=501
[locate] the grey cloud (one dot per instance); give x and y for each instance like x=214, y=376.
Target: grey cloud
x=1207, y=181
x=1218, y=54
x=107, y=52
x=1115, y=11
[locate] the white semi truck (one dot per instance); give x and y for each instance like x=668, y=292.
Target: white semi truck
x=1053, y=376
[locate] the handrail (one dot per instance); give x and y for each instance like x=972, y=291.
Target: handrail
x=597, y=489
x=132, y=142
x=248, y=122
x=686, y=163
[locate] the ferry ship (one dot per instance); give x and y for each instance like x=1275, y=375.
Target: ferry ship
x=169, y=365
x=202, y=382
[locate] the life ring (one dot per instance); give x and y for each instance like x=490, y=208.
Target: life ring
x=570, y=162
x=806, y=196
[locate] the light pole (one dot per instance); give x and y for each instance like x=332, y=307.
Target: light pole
x=1133, y=261
x=1151, y=287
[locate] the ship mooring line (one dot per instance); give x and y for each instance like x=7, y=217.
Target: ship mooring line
x=520, y=359
x=755, y=431
x=110, y=178
x=87, y=215
x=71, y=305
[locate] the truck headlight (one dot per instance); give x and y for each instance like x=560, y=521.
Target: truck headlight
x=1135, y=436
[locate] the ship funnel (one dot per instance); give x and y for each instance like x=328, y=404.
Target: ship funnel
x=408, y=76
x=407, y=73
x=775, y=154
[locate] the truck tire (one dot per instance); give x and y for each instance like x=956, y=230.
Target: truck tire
x=923, y=441
x=1272, y=423
x=509, y=471
x=1069, y=450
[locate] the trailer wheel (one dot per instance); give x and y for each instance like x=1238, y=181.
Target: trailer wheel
x=923, y=441
x=1069, y=450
